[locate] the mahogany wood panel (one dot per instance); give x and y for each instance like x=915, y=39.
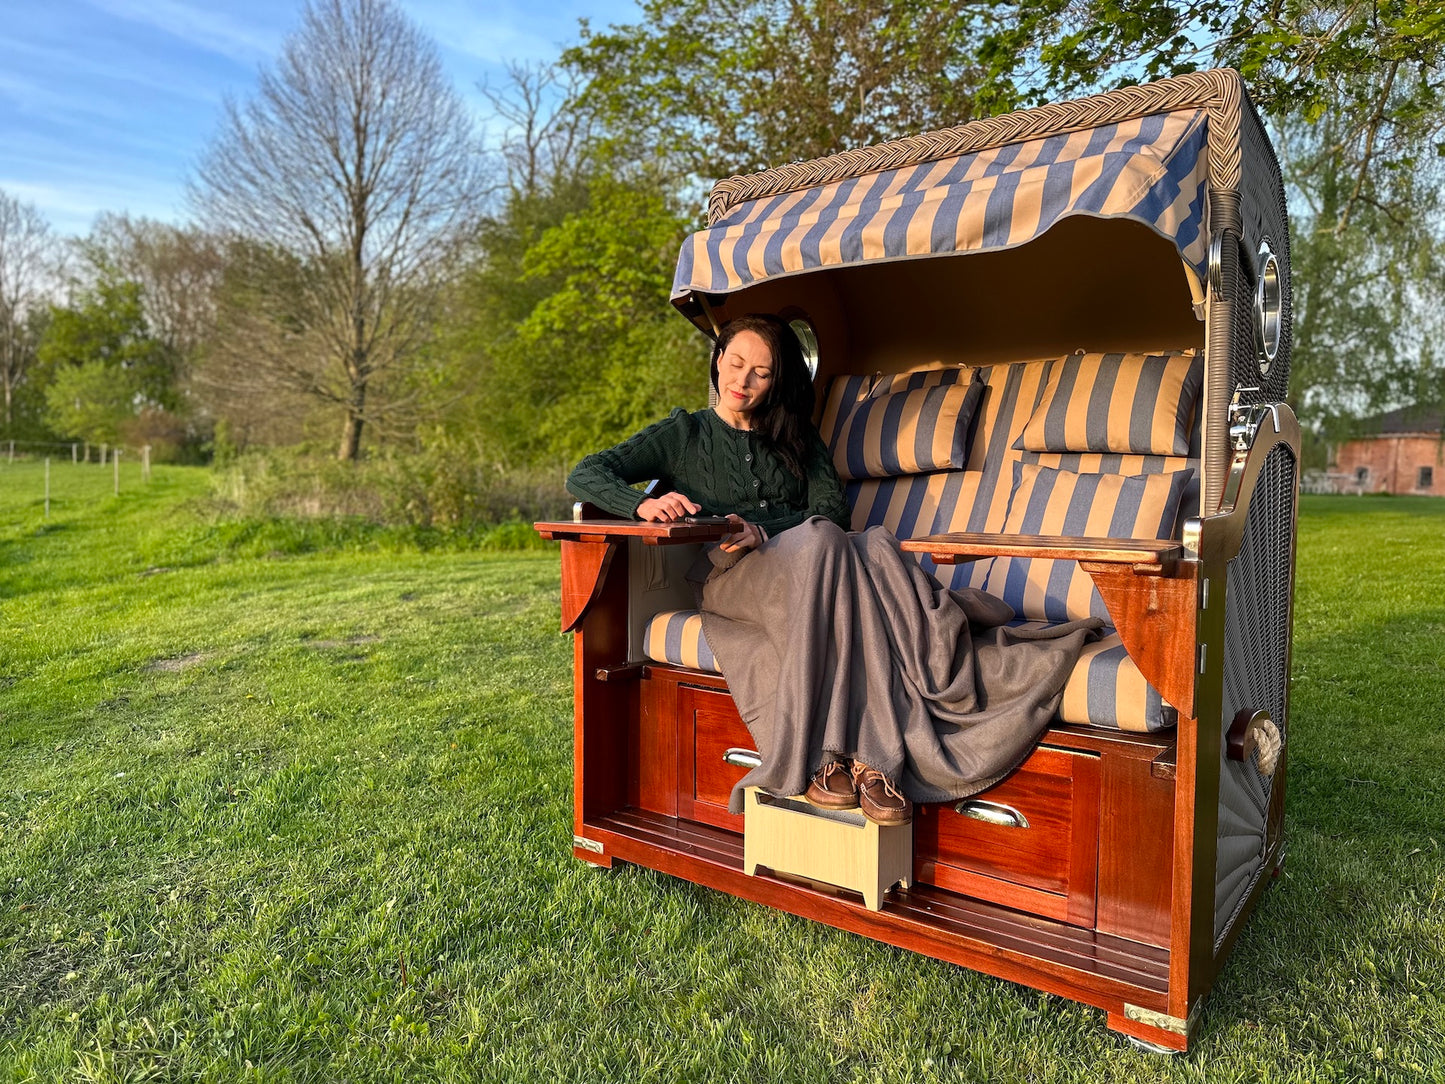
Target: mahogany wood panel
x=1047, y=867
x=704, y=678
x=584, y=571
x=1136, y=851
x=1191, y=898
x=1093, y=968
x=652, y=750
x=654, y=534
x=1155, y=617
x=600, y=746
x=1137, y=745
x=1144, y=555
x=707, y=725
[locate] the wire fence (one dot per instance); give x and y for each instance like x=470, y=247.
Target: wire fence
x=78, y=451
x=79, y=454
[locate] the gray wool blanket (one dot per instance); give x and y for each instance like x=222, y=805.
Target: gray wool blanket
x=838, y=643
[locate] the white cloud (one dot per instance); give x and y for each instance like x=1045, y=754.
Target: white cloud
x=72, y=206
x=242, y=40
x=491, y=34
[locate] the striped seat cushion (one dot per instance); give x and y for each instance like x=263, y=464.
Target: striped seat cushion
x=1105, y=688
x=676, y=637
x=1131, y=404
x=900, y=429
x=1047, y=501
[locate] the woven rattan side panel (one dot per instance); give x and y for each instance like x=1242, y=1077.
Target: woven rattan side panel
x=1256, y=676
x=1264, y=219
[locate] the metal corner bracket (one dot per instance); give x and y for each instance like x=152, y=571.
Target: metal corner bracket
x=1163, y=1021
x=581, y=843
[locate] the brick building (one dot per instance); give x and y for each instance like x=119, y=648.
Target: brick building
x=1403, y=453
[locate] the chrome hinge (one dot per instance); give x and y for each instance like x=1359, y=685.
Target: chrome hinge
x=1246, y=418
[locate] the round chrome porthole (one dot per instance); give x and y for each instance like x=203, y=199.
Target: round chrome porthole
x=808, y=340
x=1268, y=297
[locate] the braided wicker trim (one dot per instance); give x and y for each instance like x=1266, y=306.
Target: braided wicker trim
x=1220, y=91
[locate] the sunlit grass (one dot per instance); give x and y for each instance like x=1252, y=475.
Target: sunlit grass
x=288, y=802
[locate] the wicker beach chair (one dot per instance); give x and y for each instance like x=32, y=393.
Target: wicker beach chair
x=1114, y=272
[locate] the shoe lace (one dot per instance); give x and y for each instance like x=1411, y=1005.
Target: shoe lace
x=865, y=776
x=827, y=771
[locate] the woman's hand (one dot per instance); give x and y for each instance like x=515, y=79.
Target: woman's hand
x=746, y=536
x=667, y=508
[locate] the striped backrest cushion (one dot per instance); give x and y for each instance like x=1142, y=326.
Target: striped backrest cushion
x=1046, y=501
x=907, y=431
x=845, y=390
x=918, y=505
x=1133, y=404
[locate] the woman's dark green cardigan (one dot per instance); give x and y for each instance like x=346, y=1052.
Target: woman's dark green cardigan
x=721, y=468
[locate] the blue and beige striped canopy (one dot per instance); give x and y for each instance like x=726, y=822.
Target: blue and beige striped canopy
x=1151, y=170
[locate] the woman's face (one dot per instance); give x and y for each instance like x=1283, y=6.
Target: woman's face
x=744, y=373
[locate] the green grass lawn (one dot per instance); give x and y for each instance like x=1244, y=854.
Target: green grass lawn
x=293, y=803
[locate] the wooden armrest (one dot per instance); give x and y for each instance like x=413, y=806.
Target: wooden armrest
x=588, y=546
x=1147, y=556
x=610, y=530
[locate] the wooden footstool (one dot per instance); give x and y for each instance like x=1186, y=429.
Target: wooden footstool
x=837, y=847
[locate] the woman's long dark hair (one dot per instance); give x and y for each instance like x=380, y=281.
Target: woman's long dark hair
x=786, y=414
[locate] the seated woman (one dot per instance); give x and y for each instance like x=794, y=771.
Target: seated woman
x=756, y=459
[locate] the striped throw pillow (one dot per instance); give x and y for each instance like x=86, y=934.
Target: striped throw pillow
x=1134, y=404
x=909, y=431
x=1046, y=501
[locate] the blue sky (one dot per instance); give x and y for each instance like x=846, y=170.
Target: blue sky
x=106, y=105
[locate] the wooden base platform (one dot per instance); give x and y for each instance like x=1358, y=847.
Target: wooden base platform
x=1120, y=976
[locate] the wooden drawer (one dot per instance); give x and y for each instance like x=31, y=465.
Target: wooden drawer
x=1030, y=842
x=709, y=727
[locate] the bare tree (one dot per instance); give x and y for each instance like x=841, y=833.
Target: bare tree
x=25, y=252
x=355, y=160
x=547, y=136
x=178, y=269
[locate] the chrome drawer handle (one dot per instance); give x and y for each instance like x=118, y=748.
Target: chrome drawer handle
x=742, y=758
x=1005, y=816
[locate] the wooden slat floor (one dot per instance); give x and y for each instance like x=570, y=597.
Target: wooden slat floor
x=922, y=910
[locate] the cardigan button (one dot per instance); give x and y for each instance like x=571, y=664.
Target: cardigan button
x=748, y=458
x=762, y=504
x=756, y=483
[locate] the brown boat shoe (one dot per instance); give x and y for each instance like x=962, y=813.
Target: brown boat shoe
x=881, y=802
x=832, y=787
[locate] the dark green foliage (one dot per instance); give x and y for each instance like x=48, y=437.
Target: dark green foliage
x=567, y=328
x=712, y=90
x=106, y=370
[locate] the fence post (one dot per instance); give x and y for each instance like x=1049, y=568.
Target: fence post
x=47, y=487
x=104, y=448
x=145, y=463
x=73, y=458
x=12, y=451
